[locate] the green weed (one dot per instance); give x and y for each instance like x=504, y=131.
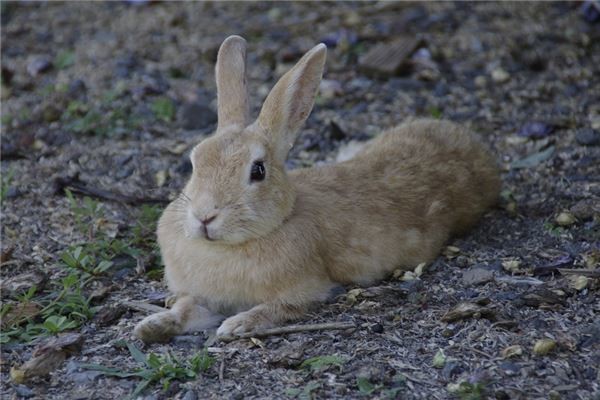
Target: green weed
x=163, y=109
x=162, y=369
x=322, y=362
x=7, y=178
x=64, y=59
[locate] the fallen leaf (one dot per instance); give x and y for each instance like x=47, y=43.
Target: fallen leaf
x=161, y=177
x=21, y=283
x=451, y=251
x=512, y=351
x=20, y=313
x=511, y=265
x=534, y=159
x=466, y=310
x=578, y=282
x=544, y=346
x=565, y=218
x=48, y=357
x=439, y=359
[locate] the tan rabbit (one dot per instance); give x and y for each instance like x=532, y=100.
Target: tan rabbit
x=248, y=240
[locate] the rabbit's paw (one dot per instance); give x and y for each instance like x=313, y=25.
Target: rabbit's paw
x=244, y=322
x=158, y=327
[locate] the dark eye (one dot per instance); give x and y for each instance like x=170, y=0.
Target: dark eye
x=257, y=173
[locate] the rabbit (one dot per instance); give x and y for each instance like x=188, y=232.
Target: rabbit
x=248, y=245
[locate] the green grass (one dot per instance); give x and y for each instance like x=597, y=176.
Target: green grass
x=163, y=108
x=7, y=178
x=158, y=369
x=64, y=305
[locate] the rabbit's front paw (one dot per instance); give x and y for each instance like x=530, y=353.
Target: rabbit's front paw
x=244, y=322
x=158, y=327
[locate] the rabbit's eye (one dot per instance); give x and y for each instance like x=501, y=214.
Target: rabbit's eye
x=257, y=173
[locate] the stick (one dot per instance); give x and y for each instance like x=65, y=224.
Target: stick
x=79, y=187
x=143, y=307
x=590, y=273
x=222, y=370
x=282, y=330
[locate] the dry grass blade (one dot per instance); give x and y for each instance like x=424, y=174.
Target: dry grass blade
x=291, y=329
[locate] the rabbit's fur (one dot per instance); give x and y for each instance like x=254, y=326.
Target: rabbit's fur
x=277, y=246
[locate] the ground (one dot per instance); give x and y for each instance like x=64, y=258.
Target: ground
x=112, y=96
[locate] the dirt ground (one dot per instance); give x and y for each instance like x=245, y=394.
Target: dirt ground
x=112, y=96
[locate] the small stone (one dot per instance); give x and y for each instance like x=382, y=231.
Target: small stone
x=477, y=276
x=512, y=351
x=480, y=81
x=587, y=137
x=553, y=395
x=511, y=265
x=329, y=89
x=77, y=88
x=565, y=219
x=24, y=391
x=535, y=130
x=190, y=395
x=585, y=209
x=544, y=346
x=377, y=328
x=500, y=76
x=39, y=65
x=195, y=115
x=578, y=282
x=462, y=261
x=51, y=113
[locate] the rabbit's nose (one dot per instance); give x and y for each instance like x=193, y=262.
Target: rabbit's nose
x=208, y=220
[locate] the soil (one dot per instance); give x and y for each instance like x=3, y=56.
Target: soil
x=117, y=93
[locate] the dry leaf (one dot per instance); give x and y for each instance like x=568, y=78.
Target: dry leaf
x=578, y=282
x=512, y=351
x=451, y=251
x=544, y=346
x=48, y=357
x=565, y=219
x=257, y=342
x=420, y=269
x=511, y=265
x=161, y=177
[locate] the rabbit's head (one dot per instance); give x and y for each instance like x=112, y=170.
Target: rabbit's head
x=239, y=189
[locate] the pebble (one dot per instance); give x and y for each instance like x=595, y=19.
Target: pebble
x=195, y=115
x=190, y=395
x=565, y=219
x=480, y=81
x=77, y=88
x=39, y=65
x=24, y=391
x=500, y=76
x=588, y=137
x=329, y=89
x=477, y=276
x=585, y=209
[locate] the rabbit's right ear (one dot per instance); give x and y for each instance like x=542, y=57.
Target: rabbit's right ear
x=291, y=100
x=232, y=92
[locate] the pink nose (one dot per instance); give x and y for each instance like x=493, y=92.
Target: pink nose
x=208, y=220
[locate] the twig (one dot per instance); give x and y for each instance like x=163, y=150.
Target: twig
x=590, y=273
x=290, y=329
x=143, y=307
x=79, y=187
x=222, y=370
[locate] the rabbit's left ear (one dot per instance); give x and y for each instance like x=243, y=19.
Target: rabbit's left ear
x=291, y=100
x=232, y=92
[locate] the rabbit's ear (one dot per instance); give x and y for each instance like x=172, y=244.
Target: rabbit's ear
x=291, y=100
x=232, y=93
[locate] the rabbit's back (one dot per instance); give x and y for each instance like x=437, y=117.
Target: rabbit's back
x=396, y=202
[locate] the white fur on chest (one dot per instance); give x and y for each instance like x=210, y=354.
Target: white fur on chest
x=224, y=279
